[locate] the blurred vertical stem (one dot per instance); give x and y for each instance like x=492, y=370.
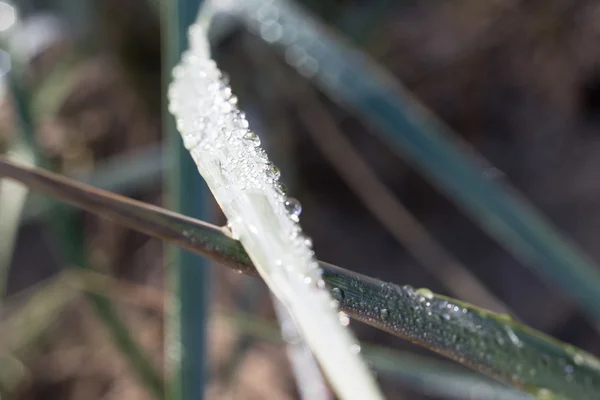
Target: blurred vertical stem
x=185, y=344
x=14, y=195
x=21, y=104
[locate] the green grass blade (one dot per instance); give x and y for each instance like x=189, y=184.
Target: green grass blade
x=13, y=196
x=188, y=233
x=189, y=275
x=127, y=346
x=12, y=203
x=356, y=82
x=490, y=343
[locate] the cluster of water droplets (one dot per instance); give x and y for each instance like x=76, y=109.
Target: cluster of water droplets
x=486, y=340
x=218, y=134
x=215, y=130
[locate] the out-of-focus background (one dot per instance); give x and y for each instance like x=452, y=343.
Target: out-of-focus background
x=519, y=80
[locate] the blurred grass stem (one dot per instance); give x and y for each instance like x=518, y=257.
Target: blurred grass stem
x=188, y=274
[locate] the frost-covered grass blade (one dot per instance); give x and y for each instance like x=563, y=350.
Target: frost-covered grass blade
x=246, y=186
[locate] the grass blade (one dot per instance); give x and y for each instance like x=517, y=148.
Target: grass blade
x=188, y=276
x=12, y=202
x=13, y=197
x=490, y=343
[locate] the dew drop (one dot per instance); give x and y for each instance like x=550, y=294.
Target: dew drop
x=344, y=319
x=273, y=171
x=384, y=314
x=282, y=188
x=293, y=206
x=252, y=138
x=337, y=293
x=426, y=293
x=276, y=171
x=512, y=336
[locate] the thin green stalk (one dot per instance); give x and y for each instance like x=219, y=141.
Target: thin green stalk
x=189, y=275
x=487, y=342
x=352, y=79
x=26, y=121
x=13, y=197
x=12, y=201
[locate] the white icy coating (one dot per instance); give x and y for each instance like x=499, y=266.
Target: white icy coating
x=246, y=186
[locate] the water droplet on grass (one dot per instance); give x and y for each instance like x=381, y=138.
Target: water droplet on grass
x=344, y=319
x=428, y=294
x=337, y=293
x=384, y=314
x=252, y=138
x=294, y=207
